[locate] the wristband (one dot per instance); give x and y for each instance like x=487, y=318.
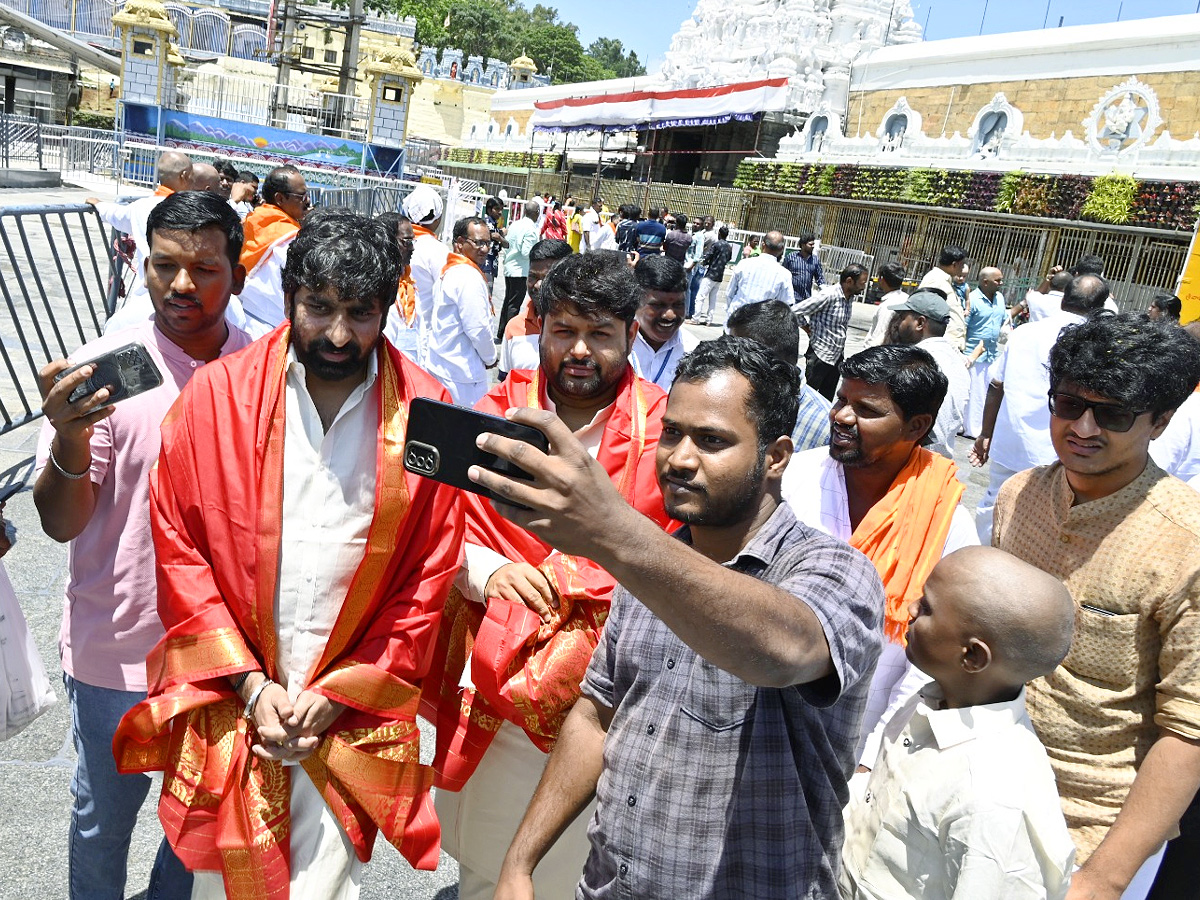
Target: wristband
x=249, y=710
x=241, y=679
x=74, y=476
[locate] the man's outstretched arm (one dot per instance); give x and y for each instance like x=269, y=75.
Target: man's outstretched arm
x=566, y=788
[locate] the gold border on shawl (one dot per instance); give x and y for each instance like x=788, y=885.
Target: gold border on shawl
x=371, y=688
x=199, y=656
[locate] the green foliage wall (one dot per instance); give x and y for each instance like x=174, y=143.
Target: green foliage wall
x=1114, y=199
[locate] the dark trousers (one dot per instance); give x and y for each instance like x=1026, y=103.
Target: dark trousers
x=1177, y=875
x=514, y=296
x=822, y=376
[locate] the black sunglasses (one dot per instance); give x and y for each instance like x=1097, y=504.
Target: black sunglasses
x=1108, y=416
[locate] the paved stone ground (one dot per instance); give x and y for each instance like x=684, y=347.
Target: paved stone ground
x=35, y=766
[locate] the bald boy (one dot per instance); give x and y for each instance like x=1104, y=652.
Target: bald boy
x=961, y=801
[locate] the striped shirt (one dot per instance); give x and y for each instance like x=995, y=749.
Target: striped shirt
x=828, y=312
x=757, y=279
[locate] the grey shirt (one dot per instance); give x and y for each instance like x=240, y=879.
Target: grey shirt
x=715, y=788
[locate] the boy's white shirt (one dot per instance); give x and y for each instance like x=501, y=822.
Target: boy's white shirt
x=961, y=803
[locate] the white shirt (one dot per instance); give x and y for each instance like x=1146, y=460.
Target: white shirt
x=659, y=365
x=1178, y=448
x=1022, y=436
x=956, y=329
x=262, y=296
x=883, y=317
x=757, y=279
x=589, y=226
x=814, y=485
x=328, y=505
x=949, y=419
x=1042, y=306
x=459, y=328
x=523, y=352
x=962, y=803
x=605, y=237
x=428, y=259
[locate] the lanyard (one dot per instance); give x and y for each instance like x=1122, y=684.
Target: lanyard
x=663, y=367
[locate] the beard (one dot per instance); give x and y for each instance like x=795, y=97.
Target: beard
x=328, y=370
x=593, y=385
x=894, y=335
x=728, y=509
x=851, y=456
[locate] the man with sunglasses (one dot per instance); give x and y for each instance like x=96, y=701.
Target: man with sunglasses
x=270, y=230
x=459, y=347
x=1120, y=718
x=1016, y=424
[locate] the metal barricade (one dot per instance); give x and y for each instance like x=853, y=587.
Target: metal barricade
x=58, y=284
x=20, y=140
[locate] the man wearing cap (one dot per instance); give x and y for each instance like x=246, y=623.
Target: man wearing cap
x=879, y=490
x=423, y=206
x=923, y=319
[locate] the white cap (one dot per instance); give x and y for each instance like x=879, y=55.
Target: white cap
x=423, y=205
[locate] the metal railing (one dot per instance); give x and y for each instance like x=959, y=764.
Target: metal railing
x=58, y=284
x=20, y=140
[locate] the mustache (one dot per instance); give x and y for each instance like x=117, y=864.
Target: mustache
x=326, y=345
x=578, y=363
x=685, y=478
x=173, y=297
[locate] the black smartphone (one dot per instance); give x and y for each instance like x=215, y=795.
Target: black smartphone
x=126, y=372
x=440, y=444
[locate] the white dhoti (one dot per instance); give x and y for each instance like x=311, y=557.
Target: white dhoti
x=479, y=822
x=324, y=864
x=466, y=393
x=978, y=372
x=986, y=511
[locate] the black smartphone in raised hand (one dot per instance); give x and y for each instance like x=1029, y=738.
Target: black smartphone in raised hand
x=440, y=444
x=126, y=372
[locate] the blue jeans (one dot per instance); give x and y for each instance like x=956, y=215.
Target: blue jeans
x=107, y=803
x=693, y=286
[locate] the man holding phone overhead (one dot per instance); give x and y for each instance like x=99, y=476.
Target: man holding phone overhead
x=92, y=489
x=523, y=619
x=302, y=576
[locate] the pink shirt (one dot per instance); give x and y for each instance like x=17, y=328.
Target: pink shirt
x=110, y=620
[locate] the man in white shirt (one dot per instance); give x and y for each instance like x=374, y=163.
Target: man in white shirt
x=761, y=277
x=301, y=575
x=270, y=230
x=460, y=348
x=522, y=235
x=951, y=264
x=591, y=227
x=922, y=320
x=661, y=339
x=886, y=405
x=423, y=206
x=1016, y=418
x=1046, y=301
x=890, y=279
x=1177, y=449
x=519, y=348
x=174, y=172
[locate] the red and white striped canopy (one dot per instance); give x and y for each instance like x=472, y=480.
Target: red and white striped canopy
x=662, y=109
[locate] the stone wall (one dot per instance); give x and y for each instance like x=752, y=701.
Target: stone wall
x=1051, y=106
x=445, y=110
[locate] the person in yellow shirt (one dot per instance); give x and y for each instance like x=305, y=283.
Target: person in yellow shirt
x=574, y=225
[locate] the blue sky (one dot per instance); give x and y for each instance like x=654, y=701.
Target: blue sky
x=647, y=27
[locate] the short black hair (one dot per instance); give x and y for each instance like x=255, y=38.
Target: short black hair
x=493, y=203
x=226, y=168
x=1132, y=360
x=321, y=215
x=661, y=273
x=680, y=221
x=351, y=253
x=1089, y=264
x=774, y=397
x=549, y=248
x=852, y=272
x=461, y=226
x=192, y=211
x=1170, y=305
x=635, y=211
x=654, y=213
x=893, y=274
x=595, y=284
x=772, y=324
x=914, y=380
x=247, y=178
x=951, y=255
x=805, y=236
x=276, y=182
x=723, y=232
x=1085, y=293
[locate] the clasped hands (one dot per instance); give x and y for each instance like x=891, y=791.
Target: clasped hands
x=290, y=732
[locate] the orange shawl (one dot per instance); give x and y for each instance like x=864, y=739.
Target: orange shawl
x=216, y=498
x=163, y=191
x=457, y=259
x=524, y=324
x=904, y=534
x=524, y=670
x=265, y=227
x=406, y=297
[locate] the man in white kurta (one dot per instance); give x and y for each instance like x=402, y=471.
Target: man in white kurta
x=459, y=348
x=424, y=208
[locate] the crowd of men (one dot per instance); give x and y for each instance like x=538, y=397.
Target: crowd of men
x=733, y=634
